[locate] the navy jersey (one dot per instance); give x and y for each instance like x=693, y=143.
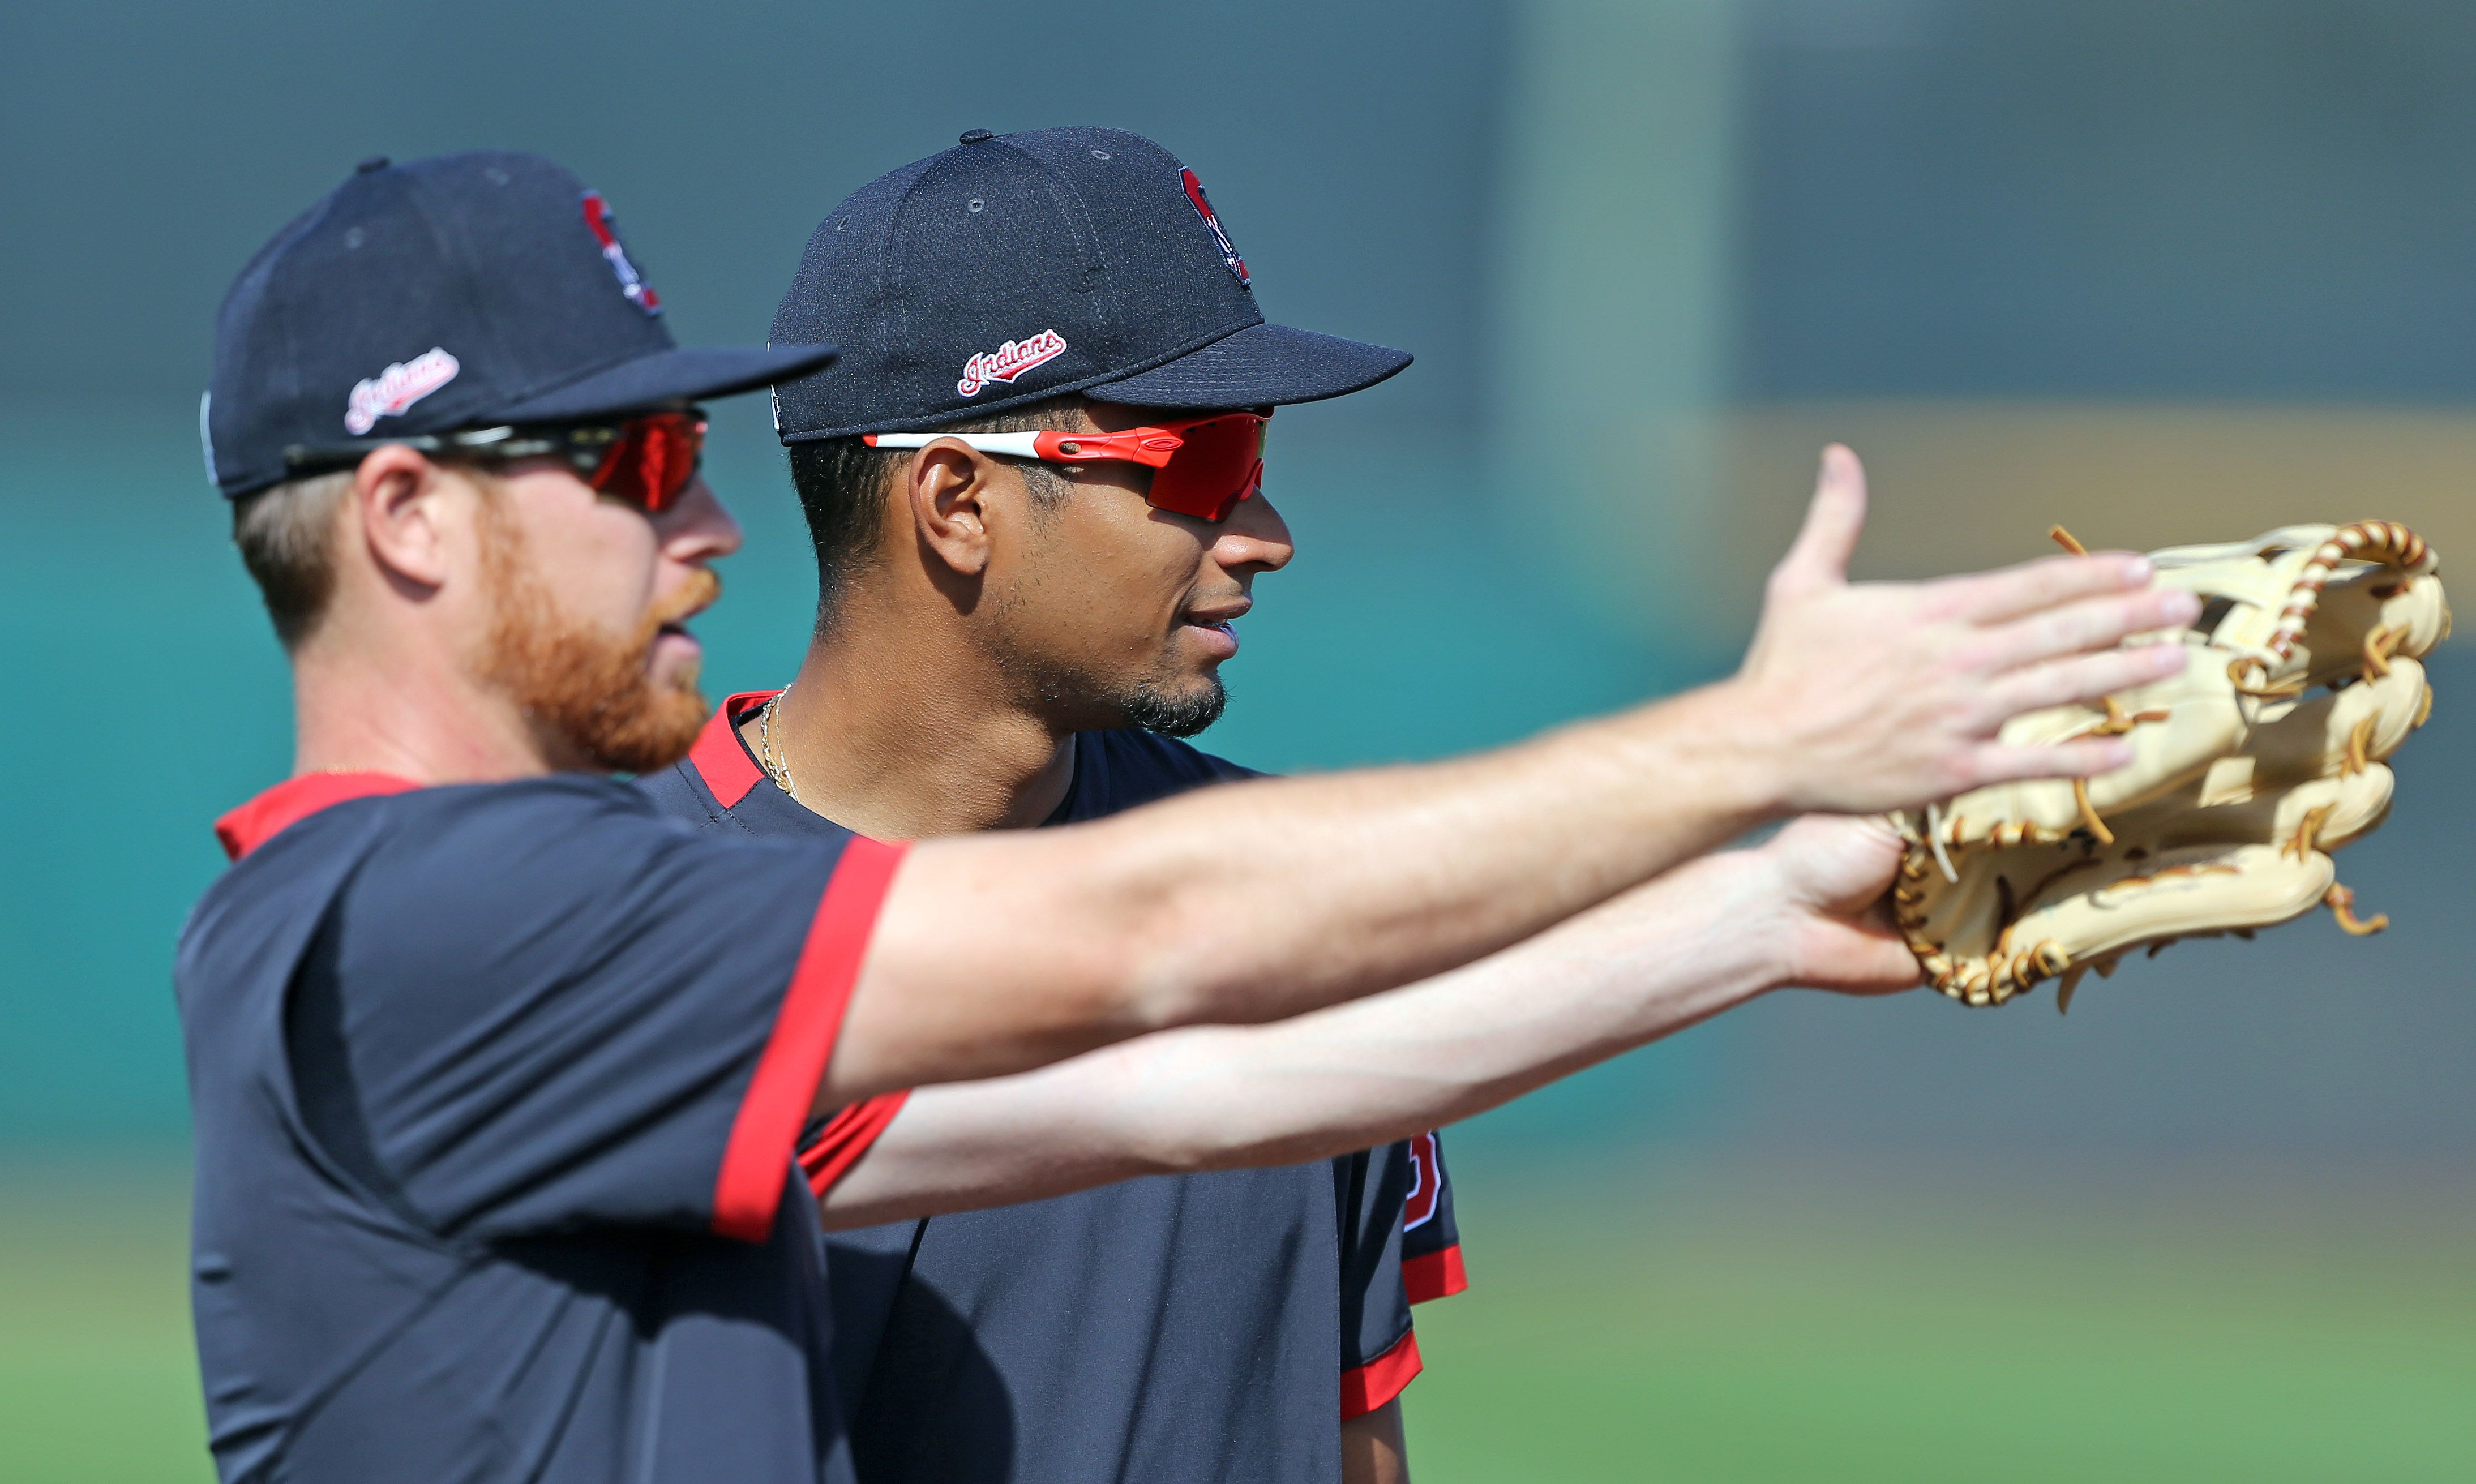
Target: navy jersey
x=1174, y=1329
x=496, y=1091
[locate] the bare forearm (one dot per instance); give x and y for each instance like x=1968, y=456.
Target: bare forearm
x=1658, y=961
x=1257, y=901
x=1383, y=1068
x=1357, y=882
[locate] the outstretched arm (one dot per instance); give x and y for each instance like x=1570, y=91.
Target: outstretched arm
x=1707, y=936
x=1248, y=903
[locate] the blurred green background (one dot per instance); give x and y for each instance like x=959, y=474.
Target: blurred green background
x=2167, y=270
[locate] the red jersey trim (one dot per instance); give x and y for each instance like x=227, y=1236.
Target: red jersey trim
x=295, y=799
x=720, y=757
x=1365, y=1388
x=1434, y=1274
x=853, y=1131
x=748, y=1189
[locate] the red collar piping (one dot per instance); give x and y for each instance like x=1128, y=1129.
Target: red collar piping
x=295, y=799
x=720, y=757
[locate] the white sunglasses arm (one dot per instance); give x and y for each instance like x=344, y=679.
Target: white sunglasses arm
x=1018, y=445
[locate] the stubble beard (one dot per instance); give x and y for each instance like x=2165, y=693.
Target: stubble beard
x=577, y=686
x=1093, y=703
x=1177, y=714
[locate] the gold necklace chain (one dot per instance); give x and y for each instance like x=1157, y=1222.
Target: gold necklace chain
x=775, y=767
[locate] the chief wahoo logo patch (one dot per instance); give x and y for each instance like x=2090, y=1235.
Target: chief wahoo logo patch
x=605, y=235
x=1203, y=208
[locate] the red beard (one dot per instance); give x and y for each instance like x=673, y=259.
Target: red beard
x=584, y=689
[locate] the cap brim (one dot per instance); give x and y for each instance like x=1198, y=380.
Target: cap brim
x=1262, y=365
x=676, y=375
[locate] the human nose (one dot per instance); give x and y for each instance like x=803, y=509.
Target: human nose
x=698, y=528
x=1254, y=536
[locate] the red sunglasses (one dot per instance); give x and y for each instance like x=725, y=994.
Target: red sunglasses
x=1202, y=466
x=647, y=461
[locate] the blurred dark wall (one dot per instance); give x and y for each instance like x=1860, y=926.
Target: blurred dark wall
x=1940, y=197
x=2110, y=199
x=151, y=146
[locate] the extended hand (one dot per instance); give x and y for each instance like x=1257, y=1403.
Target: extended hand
x=1877, y=696
x=1828, y=875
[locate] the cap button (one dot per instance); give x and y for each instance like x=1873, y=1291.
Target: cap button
x=374, y=162
x=976, y=135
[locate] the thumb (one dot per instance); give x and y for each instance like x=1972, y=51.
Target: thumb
x=1833, y=522
x=1862, y=957
x=1837, y=865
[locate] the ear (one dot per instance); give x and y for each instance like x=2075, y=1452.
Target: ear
x=401, y=500
x=947, y=492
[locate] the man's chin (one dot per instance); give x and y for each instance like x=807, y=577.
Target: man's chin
x=1180, y=711
x=654, y=732
x=609, y=708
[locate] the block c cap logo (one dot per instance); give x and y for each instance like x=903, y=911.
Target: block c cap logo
x=1203, y=208
x=606, y=231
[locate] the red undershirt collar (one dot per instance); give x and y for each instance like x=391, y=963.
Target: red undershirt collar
x=718, y=756
x=295, y=799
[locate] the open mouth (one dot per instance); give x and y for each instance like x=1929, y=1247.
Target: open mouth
x=673, y=644
x=1218, y=615
x=1218, y=635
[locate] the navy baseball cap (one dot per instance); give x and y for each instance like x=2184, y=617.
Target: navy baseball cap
x=454, y=292
x=1019, y=267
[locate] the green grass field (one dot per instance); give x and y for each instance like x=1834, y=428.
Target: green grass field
x=98, y=1384
x=1776, y=1330
x=1693, y=1330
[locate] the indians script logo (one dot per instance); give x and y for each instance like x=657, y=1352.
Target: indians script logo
x=395, y=389
x=1009, y=360
x=606, y=230
x=1203, y=208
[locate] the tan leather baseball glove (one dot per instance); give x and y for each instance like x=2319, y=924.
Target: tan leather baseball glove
x=2250, y=767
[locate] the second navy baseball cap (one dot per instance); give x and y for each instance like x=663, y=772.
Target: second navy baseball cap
x=454, y=292
x=1014, y=267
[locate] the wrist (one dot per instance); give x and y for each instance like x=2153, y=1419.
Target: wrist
x=1714, y=744
x=1763, y=894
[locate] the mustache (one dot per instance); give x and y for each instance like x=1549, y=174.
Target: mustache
x=700, y=590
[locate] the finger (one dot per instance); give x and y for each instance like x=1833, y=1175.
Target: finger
x=2084, y=677
x=2031, y=586
x=1833, y=522
x=2079, y=758
x=2076, y=627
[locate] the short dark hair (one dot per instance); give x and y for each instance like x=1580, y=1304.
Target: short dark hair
x=842, y=484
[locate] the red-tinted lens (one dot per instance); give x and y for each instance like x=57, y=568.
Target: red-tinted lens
x=654, y=461
x=1221, y=463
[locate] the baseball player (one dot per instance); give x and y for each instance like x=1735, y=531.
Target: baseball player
x=1023, y=605
x=497, y=1074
